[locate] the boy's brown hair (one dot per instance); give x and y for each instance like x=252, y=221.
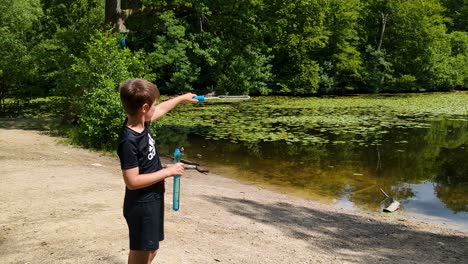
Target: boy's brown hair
x=135, y=93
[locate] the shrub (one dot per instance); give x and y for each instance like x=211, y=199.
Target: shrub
x=97, y=77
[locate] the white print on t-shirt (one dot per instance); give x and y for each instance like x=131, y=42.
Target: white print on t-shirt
x=152, y=150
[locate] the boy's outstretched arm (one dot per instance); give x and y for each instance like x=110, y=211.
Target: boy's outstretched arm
x=164, y=107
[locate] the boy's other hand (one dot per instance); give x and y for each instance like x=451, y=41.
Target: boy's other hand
x=176, y=169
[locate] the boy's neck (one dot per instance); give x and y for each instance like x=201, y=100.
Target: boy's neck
x=136, y=123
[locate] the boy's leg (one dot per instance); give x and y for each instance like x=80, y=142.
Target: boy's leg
x=141, y=256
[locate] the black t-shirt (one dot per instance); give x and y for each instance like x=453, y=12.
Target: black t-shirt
x=139, y=150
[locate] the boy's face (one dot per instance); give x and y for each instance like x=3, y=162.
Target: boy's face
x=150, y=110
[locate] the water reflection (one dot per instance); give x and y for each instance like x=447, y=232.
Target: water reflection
x=425, y=168
x=427, y=202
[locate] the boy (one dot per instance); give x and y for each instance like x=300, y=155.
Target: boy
x=141, y=167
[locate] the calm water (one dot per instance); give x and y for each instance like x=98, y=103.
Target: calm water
x=424, y=165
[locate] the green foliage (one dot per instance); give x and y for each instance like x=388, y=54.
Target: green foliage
x=243, y=60
x=379, y=70
x=327, y=82
x=18, y=71
x=459, y=58
x=415, y=43
x=204, y=45
x=457, y=11
x=404, y=83
x=101, y=119
x=206, y=54
x=296, y=31
x=247, y=74
x=416, y=39
x=97, y=76
x=69, y=13
x=440, y=71
x=342, y=51
x=169, y=60
x=106, y=64
x=63, y=31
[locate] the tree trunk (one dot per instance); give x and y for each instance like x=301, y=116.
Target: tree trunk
x=113, y=15
x=383, y=23
x=382, y=29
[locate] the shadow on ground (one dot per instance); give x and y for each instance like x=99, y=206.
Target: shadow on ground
x=340, y=234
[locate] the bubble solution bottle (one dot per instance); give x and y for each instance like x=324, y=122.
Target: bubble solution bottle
x=176, y=191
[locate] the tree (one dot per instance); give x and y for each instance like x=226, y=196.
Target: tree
x=416, y=43
x=296, y=31
x=97, y=76
x=457, y=11
x=342, y=50
x=208, y=45
x=169, y=60
x=459, y=58
x=18, y=72
x=242, y=58
x=63, y=31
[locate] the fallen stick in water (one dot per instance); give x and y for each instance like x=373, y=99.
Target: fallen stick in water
x=190, y=167
x=393, y=206
x=189, y=162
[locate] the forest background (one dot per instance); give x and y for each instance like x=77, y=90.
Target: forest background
x=76, y=52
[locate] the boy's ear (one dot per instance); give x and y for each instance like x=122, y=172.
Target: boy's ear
x=145, y=108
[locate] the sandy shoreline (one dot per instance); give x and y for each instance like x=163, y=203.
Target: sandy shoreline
x=57, y=207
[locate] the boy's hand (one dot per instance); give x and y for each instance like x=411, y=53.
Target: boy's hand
x=176, y=169
x=188, y=97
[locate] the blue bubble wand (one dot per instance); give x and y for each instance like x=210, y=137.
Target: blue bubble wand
x=176, y=190
x=203, y=98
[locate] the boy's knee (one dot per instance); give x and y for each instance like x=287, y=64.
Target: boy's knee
x=153, y=254
x=140, y=256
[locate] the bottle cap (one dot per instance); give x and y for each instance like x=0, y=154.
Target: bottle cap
x=176, y=152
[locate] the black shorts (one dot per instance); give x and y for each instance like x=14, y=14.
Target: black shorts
x=145, y=220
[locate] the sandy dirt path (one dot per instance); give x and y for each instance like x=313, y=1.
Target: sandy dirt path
x=57, y=207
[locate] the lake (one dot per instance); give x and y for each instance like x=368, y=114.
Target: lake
x=338, y=150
